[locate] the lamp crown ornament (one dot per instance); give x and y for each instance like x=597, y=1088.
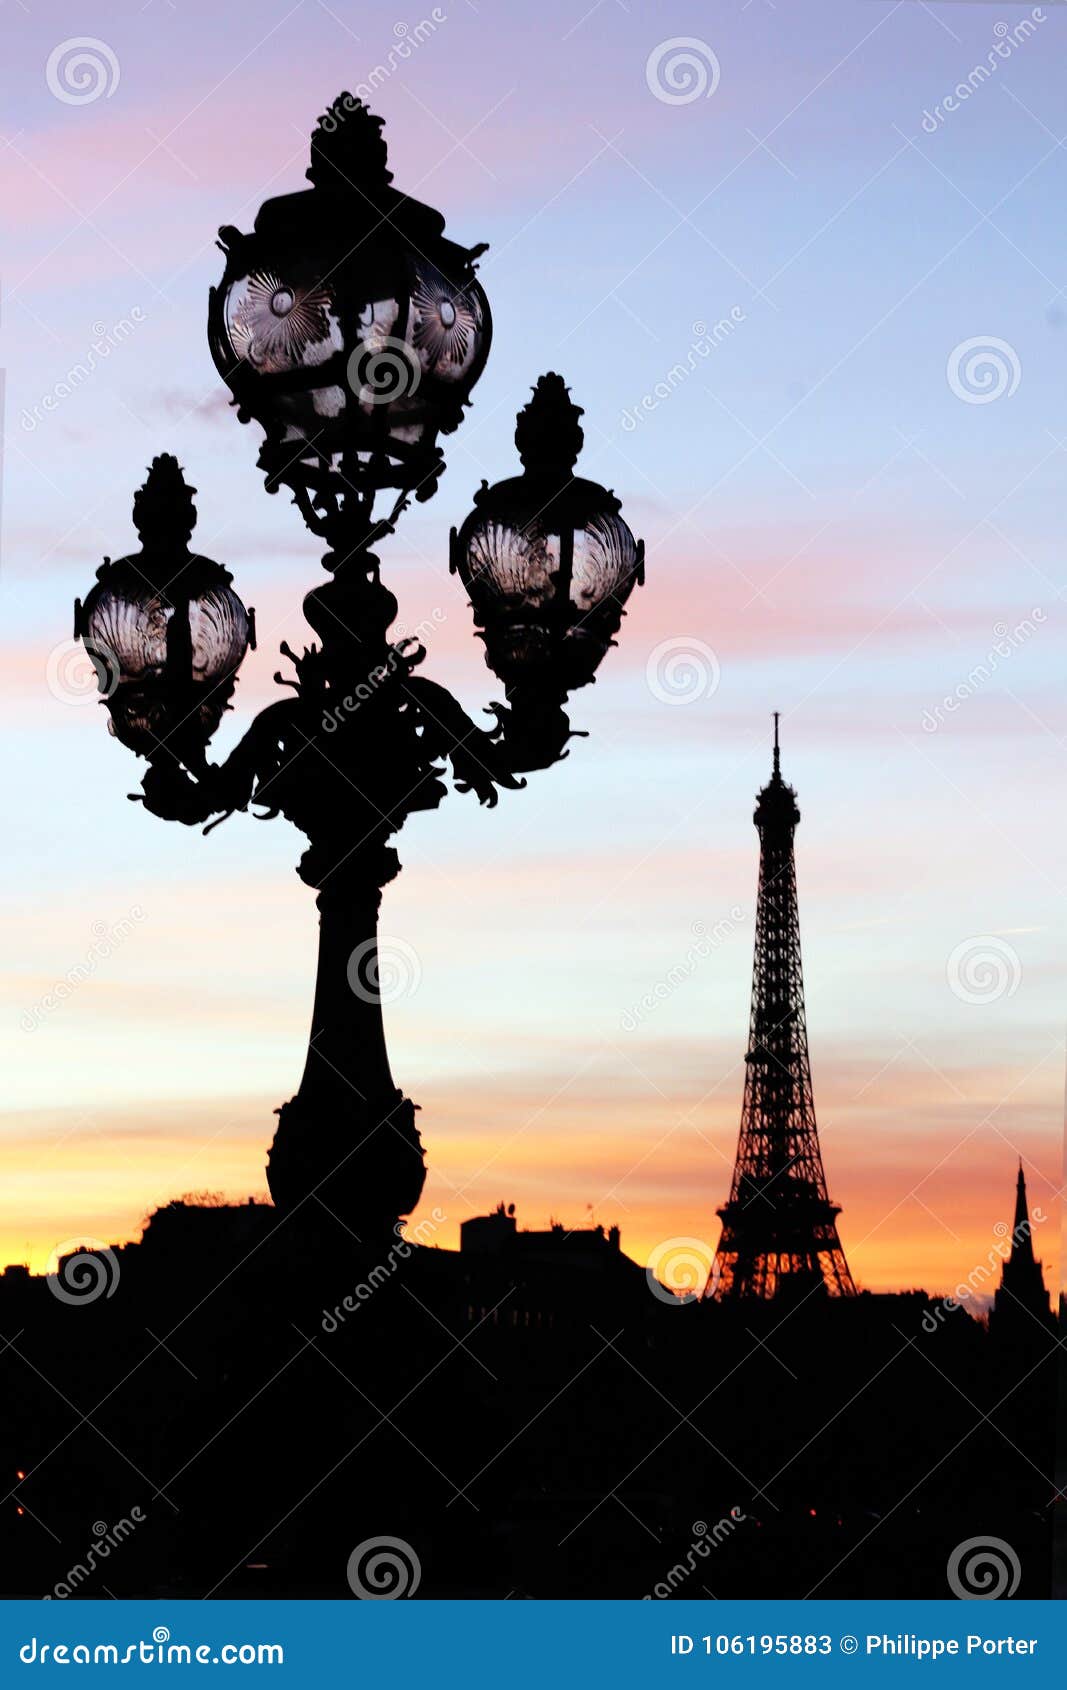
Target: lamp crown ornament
x=164, y=514
x=547, y=431
x=348, y=150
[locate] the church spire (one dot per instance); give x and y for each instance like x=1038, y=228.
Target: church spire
x=1021, y=1240
x=1021, y=1294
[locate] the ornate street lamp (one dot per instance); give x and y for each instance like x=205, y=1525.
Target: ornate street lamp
x=548, y=563
x=351, y=329
x=353, y=332
x=164, y=628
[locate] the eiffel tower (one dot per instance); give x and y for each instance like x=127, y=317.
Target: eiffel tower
x=779, y=1227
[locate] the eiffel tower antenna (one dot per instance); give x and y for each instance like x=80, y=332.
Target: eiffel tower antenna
x=779, y=1227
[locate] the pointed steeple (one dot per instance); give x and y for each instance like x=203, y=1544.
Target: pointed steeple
x=1021, y=1296
x=1022, y=1243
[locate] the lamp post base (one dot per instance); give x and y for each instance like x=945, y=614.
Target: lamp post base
x=347, y=1145
x=363, y=1164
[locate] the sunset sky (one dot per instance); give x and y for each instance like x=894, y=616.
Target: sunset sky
x=834, y=527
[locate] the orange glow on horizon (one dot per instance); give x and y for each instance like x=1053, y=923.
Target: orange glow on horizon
x=658, y=1176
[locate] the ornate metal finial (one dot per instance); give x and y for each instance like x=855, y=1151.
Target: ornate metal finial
x=348, y=150
x=777, y=754
x=163, y=511
x=547, y=431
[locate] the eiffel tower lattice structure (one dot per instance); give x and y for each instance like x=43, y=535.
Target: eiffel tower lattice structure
x=779, y=1227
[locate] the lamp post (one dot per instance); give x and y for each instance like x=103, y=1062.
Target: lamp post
x=352, y=331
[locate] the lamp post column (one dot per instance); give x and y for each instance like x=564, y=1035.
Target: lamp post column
x=347, y=1142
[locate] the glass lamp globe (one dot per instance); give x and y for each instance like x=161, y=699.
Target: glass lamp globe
x=347, y=325
x=163, y=627
x=547, y=559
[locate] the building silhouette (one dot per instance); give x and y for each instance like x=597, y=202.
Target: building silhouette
x=498, y=1234
x=779, y=1227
